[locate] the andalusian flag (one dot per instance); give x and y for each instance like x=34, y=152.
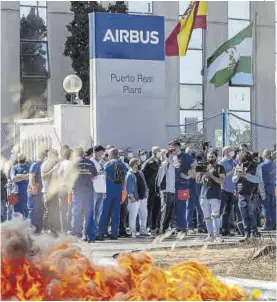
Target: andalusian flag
x=194, y=17
x=234, y=57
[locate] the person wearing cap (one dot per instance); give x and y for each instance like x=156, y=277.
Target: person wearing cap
x=227, y=190
x=183, y=164
x=20, y=176
x=137, y=198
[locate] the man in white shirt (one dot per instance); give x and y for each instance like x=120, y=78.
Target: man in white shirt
x=99, y=184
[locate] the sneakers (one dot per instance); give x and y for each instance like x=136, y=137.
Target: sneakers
x=202, y=231
x=134, y=235
x=144, y=235
x=153, y=234
x=208, y=239
x=191, y=232
x=100, y=238
x=218, y=239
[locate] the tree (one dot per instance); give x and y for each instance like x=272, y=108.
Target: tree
x=239, y=136
x=77, y=45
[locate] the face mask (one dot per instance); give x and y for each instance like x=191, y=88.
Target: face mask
x=143, y=158
x=130, y=155
x=212, y=161
x=158, y=154
x=231, y=153
x=22, y=161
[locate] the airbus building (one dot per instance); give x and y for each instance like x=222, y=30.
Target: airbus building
x=138, y=95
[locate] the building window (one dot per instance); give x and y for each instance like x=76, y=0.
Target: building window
x=34, y=58
x=191, y=81
x=140, y=7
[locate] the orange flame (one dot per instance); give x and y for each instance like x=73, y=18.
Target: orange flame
x=65, y=274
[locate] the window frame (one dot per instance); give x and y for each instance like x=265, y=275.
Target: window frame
x=141, y=13
x=34, y=78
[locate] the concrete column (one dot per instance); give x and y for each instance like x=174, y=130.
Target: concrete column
x=264, y=90
x=215, y=99
x=170, y=10
x=58, y=17
x=10, y=61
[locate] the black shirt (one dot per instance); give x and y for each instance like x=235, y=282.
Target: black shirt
x=150, y=170
x=140, y=186
x=210, y=189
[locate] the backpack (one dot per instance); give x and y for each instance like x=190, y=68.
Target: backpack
x=119, y=174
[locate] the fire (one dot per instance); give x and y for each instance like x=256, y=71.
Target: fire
x=65, y=274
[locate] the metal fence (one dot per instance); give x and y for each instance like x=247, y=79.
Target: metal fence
x=7, y=139
x=240, y=130
x=225, y=128
x=194, y=134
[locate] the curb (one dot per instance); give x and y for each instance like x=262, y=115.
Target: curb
x=268, y=288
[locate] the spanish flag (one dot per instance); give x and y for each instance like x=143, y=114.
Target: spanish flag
x=194, y=17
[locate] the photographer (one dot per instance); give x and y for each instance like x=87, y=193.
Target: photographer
x=211, y=180
x=247, y=178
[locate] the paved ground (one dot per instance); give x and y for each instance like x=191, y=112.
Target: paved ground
x=108, y=248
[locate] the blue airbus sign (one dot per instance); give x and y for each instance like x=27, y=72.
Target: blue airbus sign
x=123, y=36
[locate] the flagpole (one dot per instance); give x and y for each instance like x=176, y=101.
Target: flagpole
x=253, y=95
x=204, y=79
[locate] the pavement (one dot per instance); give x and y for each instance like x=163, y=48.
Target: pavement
x=109, y=248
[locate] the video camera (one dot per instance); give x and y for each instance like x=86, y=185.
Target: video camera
x=201, y=166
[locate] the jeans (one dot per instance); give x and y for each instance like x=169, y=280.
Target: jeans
x=98, y=208
x=248, y=207
x=167, y=202
x=36, y=210
x=211, y=211
x=226, y=209
x=21, y=206
x=135, y=208
x=200, y=216
x=269, y=211
x=237, y=209
x=191, y=205
x=180, y=210
x=82, y=213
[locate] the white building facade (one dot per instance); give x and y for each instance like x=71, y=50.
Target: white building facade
x=190, y=98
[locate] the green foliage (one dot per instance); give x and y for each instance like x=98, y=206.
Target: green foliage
x=240, y=136
x=77, y=44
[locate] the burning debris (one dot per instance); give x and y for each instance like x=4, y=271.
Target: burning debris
x=63, y=273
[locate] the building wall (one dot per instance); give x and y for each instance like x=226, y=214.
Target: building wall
x=10, y=61
x=170, y=10
x=59, y=16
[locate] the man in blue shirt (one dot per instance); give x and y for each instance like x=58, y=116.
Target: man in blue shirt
x=227, y=189
x=183, y=164
x=269, y=204
x=116, y=172
x=83, y=173
x=20, y=176
x=35, y=197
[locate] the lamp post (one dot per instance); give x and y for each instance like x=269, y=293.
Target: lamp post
x=72, y=84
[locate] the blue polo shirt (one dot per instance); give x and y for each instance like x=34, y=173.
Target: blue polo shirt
x=269, y=175
x=85, y=170
x=109, y=169
x=21, y=169
x=35, y=169
x=228, y=165
x=185, y=161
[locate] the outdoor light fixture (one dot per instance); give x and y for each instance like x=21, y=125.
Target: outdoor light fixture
x=72, y=84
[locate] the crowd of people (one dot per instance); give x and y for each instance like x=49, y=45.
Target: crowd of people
x=104, y=192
